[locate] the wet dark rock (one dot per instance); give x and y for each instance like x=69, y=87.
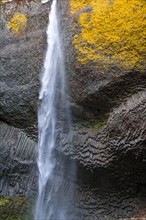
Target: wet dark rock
x=122, y=119
x=18, y=168
x=21, y=64
x=119, y=146
x=85, y=201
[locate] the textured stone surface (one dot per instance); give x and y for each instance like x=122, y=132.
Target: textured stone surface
x=17, y=162
x=108, y=137
x=21, y=58
x=119, y=147
x=95, y=93
x=125, y=127
x=85, y=201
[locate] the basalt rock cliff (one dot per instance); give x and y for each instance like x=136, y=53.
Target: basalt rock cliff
x=106, y=80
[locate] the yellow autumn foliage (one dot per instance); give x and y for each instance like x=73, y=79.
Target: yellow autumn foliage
x=113, y=33
x=18, y=23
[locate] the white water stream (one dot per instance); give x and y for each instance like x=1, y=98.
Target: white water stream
x=52, y=92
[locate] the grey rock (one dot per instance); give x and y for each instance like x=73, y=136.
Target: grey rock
x=18, y=170
x=21, y=59
x=94, y=94
x=120, y=146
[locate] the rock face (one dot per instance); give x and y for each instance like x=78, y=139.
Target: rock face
x=18, y=167
x=108, y=136
x=21, y=56
x=21, y=62
x=97, y=88
x=118, y=146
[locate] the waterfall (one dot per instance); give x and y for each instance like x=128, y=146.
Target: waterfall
x=52, y=112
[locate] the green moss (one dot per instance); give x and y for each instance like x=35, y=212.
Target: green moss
x=95, y=123
x=14, y=208
x=98, y=125
x=85, y=123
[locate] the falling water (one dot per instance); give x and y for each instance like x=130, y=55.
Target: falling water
x=52, y=102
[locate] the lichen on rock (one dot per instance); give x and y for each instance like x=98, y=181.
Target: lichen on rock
x=112, y=33
x=18, y=23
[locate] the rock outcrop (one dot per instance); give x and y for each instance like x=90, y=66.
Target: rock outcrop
x=17, y=164
x=21, y=62
x=94, y=87
x=118, y=146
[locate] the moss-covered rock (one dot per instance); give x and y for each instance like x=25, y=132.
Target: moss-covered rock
x=14, y=208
